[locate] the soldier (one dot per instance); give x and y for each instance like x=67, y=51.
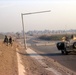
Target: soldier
x=10, y=40
x=6, y=40
x=67, y=38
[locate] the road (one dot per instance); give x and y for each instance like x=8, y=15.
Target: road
x=68, y=61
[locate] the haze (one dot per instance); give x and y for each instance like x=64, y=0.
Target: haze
x=61, y=17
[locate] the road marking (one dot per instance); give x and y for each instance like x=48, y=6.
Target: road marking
x=45, y=44
x=39, y=59
x=21, y=69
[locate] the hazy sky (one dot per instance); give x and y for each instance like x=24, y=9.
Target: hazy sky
x=62, y=15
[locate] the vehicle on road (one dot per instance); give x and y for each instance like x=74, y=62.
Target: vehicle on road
x=67, y=46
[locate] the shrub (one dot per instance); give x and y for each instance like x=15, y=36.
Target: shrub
x=52, y=37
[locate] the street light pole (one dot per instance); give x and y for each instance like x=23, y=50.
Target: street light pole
x=23, y=32
x=22, y=14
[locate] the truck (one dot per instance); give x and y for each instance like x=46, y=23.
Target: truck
x=66, y=46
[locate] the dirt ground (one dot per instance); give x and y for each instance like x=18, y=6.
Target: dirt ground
x=32, y=66
x=8, y=59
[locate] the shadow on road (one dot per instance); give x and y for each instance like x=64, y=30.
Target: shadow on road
x=45, y=54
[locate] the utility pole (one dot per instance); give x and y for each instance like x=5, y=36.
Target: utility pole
x=22, y=14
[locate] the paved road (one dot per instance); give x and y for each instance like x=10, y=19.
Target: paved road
x=51, y=51
x=67, y=60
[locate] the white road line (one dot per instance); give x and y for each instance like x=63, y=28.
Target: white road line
x=21, y=70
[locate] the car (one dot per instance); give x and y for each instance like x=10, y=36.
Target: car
x=66, y=46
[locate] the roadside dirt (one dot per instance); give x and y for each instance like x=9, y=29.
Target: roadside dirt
x=32, y=66
x=8, y=59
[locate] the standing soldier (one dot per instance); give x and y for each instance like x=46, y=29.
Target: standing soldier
x=10, y=40
x=6, y=40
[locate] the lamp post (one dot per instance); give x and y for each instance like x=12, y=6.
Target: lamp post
x=22, y=14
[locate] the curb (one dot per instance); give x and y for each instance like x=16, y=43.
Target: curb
x=21, y=69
